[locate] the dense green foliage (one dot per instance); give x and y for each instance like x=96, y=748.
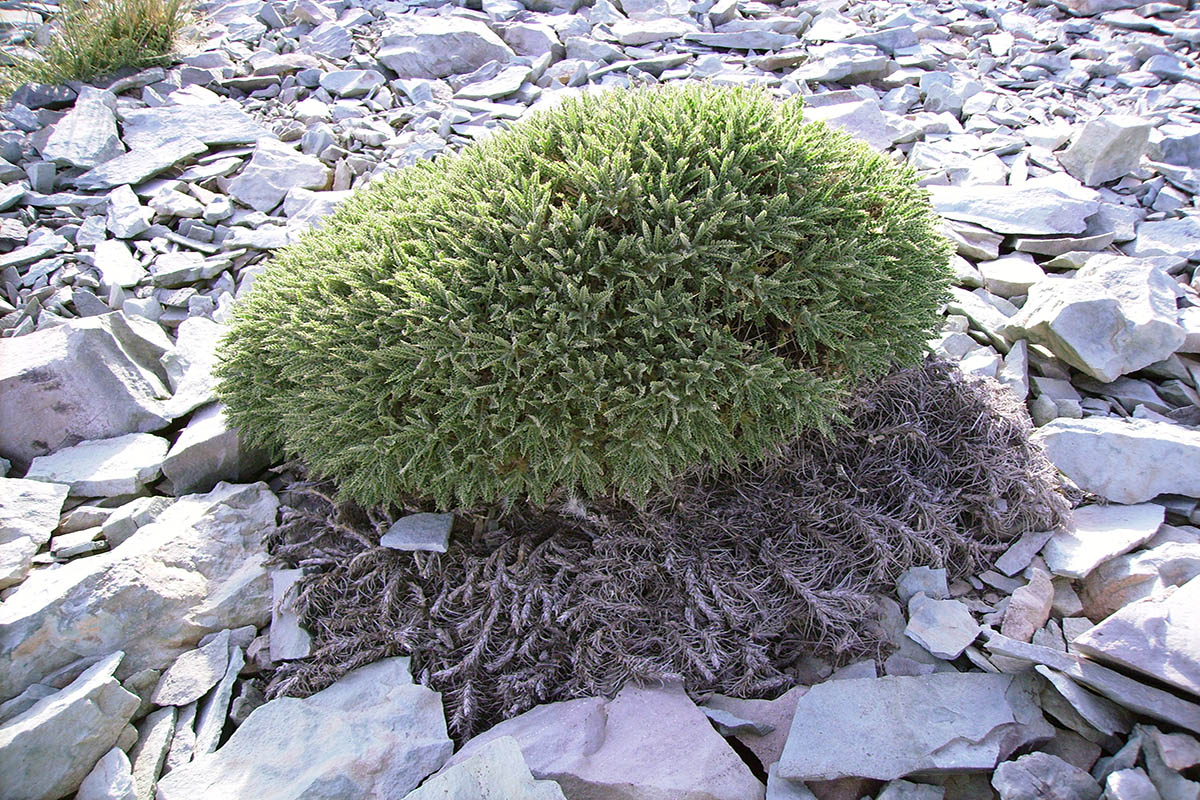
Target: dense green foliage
x=610, y=292
x=93, y=38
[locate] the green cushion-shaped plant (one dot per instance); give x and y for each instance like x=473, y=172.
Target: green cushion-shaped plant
x=608, y=293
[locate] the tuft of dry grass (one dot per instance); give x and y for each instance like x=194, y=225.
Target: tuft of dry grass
x=93, y=38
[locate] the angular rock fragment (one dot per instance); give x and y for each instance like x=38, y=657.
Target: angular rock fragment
x=288, y=639
x=1131, y=577
x=209, y=451
x=193, y=673
x=496, y=772
x=373, y=733
x=643, y=743
x=274, y=169
x=1107, y=148
x=87, y=135
x=137, y=165
x=1014, y=209
x=1029, y=607
x=48, y=750
x=1100, y=533
x=774, y=714
x=423, y=531
x=1125, y=461
x=197, y=569
x=434, y=47
x=1041, y=776
x=110, y=779
x=222, y=123
x=104, y=467
x=91, y=378
x=943, y=627
x=886, y=728
x=1157, y=636
x=150, y=753
x=28, y=514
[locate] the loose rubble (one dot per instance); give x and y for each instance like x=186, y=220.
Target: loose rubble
x=1060, y=141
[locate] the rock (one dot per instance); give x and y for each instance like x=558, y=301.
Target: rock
x=1169, y=237
x=104, y=467
x=127, y=519
x=922, y=579
x=307, y=208
x=47, y=751
x=194, y=570
x=207, y=452
x=1106, y=148
x=223, y=123
x=1123, y=580
x=635, y=32
x=863, y=119
x=644, y=744
x=1040, y=776
x=288, y=639
x=1130, y=784
x=329, y=39
x=352, y=82
x=1011, y=274
x=273, y=170
x=87, y=135
x=110, y=779
x=782, y=789
x=1157, y=636
x=742, y=40
x=190, y=363
x=372, y=734
x=434, y=47
x=1170, y=784
x=496, y=772
x=150, y=753
x=1029, y=607
x=1116, y=316
x=127, y=217
x=424, y=531
x=213, y=710
x=138, y=165
x=28, y=515
x=91, y=378
x=183, y=739
x=1125, y=461
x=1099, y=713
x=1021, y=553
x=907, y=790
x=1014, y=209
x=773, y=714
x=1100, y=533
x=117, y=265
x=193, y=673
x=943, y=627
x=886, y=728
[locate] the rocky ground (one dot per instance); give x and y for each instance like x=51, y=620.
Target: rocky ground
x=1060, y=142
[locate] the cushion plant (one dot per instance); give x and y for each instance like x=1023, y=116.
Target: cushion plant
x=597, y=299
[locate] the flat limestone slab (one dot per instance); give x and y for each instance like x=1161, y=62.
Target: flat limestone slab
x=105, y=467
x=1101, y=533
x=886, y=728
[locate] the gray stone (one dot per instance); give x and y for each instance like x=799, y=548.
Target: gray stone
x=1021, y=553
x=782, y=789
x=91, y=378
x=209, y=451
x=907, y=790
x=1179, y=145
x=104, y=467
x=127, y=217
x=28, y=514
x=421, y=531
x=189, y=365
x=507, y=81
x=288, y=639
x=742, y=40
x=305, y=208
x=729, y=724
x=637, y=32
x=863, y=120
x=643, y=744
x=352, y=82
x=774, y=714
x=116, y=264
x=47, y=751
x=530, y=39
x=1116, y=316
x=274, y=169
x=1014, y=209
x=847, y=63
x=1169, y=237
x=24, y=701
x=1170, y=784
x=434, y=47
x=197, y=569
x=150, y=753
x=1098, y=534
x=922, y=579
x=1029, y=607
x=1134, y=576
x=497, y=771
x=1041, y=776
x=193, y=673
x=1157, y=636
x=1125, y=461
x=1100, y=713
x=943, y=627
x=127, y=519
x=1130, y=784
x=110, y=779
x=1011, y=274
x=213, y=710
x=886, y=728
x=87, y=135
x=372, y=734
x=1106, y=148
x=329, y=39
x=183, y=739
x=140, y=164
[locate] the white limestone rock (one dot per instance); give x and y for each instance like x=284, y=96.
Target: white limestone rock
x=886, y=728
x=104, y=467
x=29, y=513
x=193, y=673
x=288, y=639
x=275, y=168
x=1125, y=461
x=374, y=733
x=643, y=744
x=496, y=772
x=1134, y=576
x=943, y=627
x=110, y=779
x=1106, y=148
x=1098, y=534
x=1014, y=209
x=197, y=569
x=87, y=135
x=1041, y=776
x=1116, y=316
x=90, y=378
x=209, y=451
x=189, y=365
x=46, y=752
x=220, y=123
x=422, y=531
x=1157, y=636
x=116, y=264
x=435, y=47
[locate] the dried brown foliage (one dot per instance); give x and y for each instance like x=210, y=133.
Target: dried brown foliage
x=725, y=582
